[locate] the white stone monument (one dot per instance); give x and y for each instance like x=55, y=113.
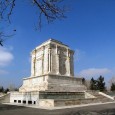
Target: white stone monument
x=52, y=77
x=52, y=82
x=52, y=69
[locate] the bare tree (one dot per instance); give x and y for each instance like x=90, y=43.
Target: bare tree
x=4, y=37
x=111, y=81
x=48, y=9
x=87, y=84
x=1, y=40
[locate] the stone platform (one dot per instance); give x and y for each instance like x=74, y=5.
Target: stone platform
x=52, y=83
x=37, y=97
x=57, y=99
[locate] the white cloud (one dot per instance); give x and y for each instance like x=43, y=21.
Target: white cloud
x=5, y=56
x=3, y=72
x=91, y=72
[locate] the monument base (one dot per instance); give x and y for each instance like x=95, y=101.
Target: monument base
x=57, y=99
x=36, y=98
x=52, y=83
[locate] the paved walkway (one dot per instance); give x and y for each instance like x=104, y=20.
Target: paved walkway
x=100, y=109
x=63, y=107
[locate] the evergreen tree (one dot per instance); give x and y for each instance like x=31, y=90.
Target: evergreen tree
x=101, y=84
x=93, y=84
x=83, y=81
x=1, y=89
x=113, y=87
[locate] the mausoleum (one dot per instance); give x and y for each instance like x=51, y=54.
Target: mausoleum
x=52, y=81
x=52, y=69
x=52, y=75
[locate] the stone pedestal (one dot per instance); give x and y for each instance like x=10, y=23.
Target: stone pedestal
x=52, y=83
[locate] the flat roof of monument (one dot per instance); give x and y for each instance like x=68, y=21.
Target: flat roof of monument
x=52, y=40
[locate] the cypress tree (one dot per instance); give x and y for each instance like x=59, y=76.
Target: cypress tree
x=1, y=89
x=101, y=84
x=93, y=84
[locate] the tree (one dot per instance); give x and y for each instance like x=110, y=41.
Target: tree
x=48, y=9
x=83, y=81
x=6, y=90
x=111, y=81
x=1, y=39
x=101, y=84
x=4, y=37
x=1, y=89
x=113, y=87
x=93, y=84
x=98, y=84
x=86, y=83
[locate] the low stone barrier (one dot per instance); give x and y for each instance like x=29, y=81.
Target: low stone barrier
x=5, y=98
x=108, y=96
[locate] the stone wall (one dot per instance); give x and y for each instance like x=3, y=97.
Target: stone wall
x=61, y=95
x=24, y=98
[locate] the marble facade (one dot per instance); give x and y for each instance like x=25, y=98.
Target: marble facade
x=52, y=69
x=52, y=57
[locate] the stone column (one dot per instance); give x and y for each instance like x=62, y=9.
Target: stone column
x=49, y=60
x=43, y=60
x=34, y=67
x=72, y=65
x=68, y=62
x=57, y=60
x=33, y=63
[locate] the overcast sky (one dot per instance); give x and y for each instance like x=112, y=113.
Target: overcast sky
x=89, y=29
